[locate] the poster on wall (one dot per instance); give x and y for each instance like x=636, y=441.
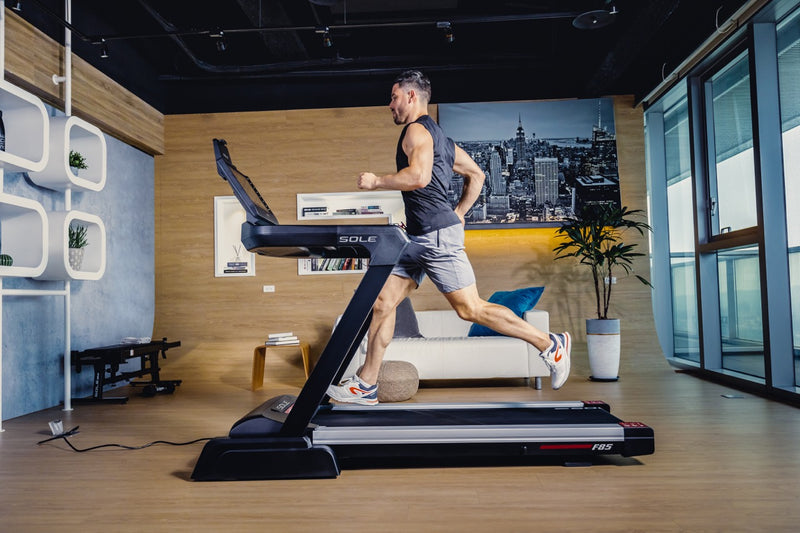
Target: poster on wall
x=543, y=160
x=230, y=256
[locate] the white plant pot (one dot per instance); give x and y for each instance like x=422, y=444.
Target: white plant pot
x=75, y=258
x=602, y=337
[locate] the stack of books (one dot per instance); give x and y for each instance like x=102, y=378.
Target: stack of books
x=282, y=339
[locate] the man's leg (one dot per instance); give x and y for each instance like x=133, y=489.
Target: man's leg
x=381, y=329
x=554, y=348
x=362, y=388
x=473, y=308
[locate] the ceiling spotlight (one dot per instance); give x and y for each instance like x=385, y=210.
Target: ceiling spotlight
x=592, y=20
x=103, y=49
x=325, y=31
x=448, y=31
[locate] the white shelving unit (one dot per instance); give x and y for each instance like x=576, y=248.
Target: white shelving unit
x=341, y=205
x=23, y=236
x=385, y=205
x=73, y=133
x=94, y=258
x=27, y=130
x=23, y=222
x=37, y=240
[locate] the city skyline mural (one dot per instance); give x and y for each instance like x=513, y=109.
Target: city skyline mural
x=543, y=160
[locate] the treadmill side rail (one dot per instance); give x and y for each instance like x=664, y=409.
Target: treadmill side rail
x=639, y=439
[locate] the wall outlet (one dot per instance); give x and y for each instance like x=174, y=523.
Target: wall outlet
x=613, y=280
x=269, y=288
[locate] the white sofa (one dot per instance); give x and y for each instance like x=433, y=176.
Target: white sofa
x=446, y=352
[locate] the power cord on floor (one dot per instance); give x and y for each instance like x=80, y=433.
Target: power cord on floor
x=56, y=426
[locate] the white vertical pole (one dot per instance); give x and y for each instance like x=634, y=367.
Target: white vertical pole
x=67, y=207
x=2, y=175
x=68, y=59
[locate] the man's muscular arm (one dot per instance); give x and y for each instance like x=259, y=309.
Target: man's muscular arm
x=418, y=146
x=473, y=181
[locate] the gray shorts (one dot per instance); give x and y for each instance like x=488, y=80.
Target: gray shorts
x=439, y=254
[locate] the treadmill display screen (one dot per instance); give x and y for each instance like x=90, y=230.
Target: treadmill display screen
x=258, y=212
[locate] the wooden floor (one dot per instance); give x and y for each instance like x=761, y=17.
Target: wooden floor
x=720, y=464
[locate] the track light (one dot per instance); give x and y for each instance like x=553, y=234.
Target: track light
x=17, y=6
x=222, y=44
x=448, y=31
x=103, y=49
x=219, y=38
x=592, y=20
x=325, y=31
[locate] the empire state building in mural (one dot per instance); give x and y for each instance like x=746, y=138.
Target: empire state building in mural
x=543, y=160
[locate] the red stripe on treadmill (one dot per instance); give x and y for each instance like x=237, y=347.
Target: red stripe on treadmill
x=564, y=446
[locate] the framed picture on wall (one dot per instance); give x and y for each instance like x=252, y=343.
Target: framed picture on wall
x=230, y=256
x=543, y=160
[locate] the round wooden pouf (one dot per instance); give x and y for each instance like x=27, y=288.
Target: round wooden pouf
x=397, y=381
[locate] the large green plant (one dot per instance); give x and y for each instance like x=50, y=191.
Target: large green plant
x=594, y=236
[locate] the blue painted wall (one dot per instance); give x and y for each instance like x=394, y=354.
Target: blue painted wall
x=120, y=304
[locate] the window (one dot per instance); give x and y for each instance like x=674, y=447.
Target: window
x=681, y=228
x=724, y=177
x=731, y=169
x=788, y=44
x=740, y=311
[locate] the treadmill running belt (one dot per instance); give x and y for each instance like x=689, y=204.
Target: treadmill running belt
x=449, y=417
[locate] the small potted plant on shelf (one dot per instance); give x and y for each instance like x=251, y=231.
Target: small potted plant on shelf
x=594, y=236
x=77, y=242
x=76, y=161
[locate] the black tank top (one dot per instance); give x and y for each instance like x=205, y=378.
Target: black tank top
x=427, y=209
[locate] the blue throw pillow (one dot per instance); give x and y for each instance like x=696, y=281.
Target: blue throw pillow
x=519, y=301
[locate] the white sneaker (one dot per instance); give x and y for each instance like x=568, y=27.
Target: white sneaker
x=557, y=359
x=353, y=390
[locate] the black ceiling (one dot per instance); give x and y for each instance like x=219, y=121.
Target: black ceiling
x=169, y=52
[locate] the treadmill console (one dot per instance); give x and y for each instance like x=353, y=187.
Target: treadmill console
x=258, y=212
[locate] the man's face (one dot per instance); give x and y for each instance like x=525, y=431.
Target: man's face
x=399, y=104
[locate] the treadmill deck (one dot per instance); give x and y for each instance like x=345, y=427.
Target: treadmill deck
x=465, y=423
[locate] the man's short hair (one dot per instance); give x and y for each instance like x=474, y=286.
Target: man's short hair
x=414, y=79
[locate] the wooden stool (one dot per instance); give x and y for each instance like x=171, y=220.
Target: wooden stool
x=260, y=356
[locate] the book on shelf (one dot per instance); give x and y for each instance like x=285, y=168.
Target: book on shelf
x=345, y=212
x=282, y=341
x=315, y=210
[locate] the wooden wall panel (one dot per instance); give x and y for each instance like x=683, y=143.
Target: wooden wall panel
x=31, y=59
x=289, y=152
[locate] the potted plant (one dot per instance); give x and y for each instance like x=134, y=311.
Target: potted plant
x=77, y=242
x=594, y=236
x=76, y=161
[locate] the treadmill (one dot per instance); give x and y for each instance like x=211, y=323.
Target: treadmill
x=305, y=436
